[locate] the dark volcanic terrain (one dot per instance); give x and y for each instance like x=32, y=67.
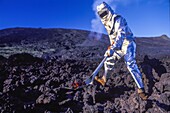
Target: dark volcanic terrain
x=35, y=65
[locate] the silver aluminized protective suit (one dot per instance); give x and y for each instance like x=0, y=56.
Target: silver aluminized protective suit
x=122, y=42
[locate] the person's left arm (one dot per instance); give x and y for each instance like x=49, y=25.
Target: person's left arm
x=120, y=33
x=120, y=30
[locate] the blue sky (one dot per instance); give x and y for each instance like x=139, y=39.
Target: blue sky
x=145, y=17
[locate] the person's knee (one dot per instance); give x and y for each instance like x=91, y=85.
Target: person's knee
x=131, y=63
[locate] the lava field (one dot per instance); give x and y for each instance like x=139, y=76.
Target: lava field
x=32, y=79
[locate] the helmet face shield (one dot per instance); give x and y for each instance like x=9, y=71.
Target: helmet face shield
x=103, y=13
x=104, y=10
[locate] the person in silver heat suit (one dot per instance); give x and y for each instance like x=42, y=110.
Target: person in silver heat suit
x=122, y=44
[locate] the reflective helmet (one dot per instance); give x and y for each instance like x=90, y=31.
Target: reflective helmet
x=104, y=10
x=106, y=13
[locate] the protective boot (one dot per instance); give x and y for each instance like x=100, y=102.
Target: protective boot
x=102, y=80
x=142, y=94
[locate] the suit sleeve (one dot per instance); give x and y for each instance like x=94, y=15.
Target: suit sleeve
x=120, y=33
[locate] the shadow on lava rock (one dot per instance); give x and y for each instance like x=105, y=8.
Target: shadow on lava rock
x=152, y=69
x=162, y=106
x=110, y=93
x=119, y=90
x=23, y=59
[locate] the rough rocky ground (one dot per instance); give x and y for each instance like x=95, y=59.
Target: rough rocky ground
x=33, y=82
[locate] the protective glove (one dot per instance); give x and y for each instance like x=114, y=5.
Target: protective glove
x=109, y=52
